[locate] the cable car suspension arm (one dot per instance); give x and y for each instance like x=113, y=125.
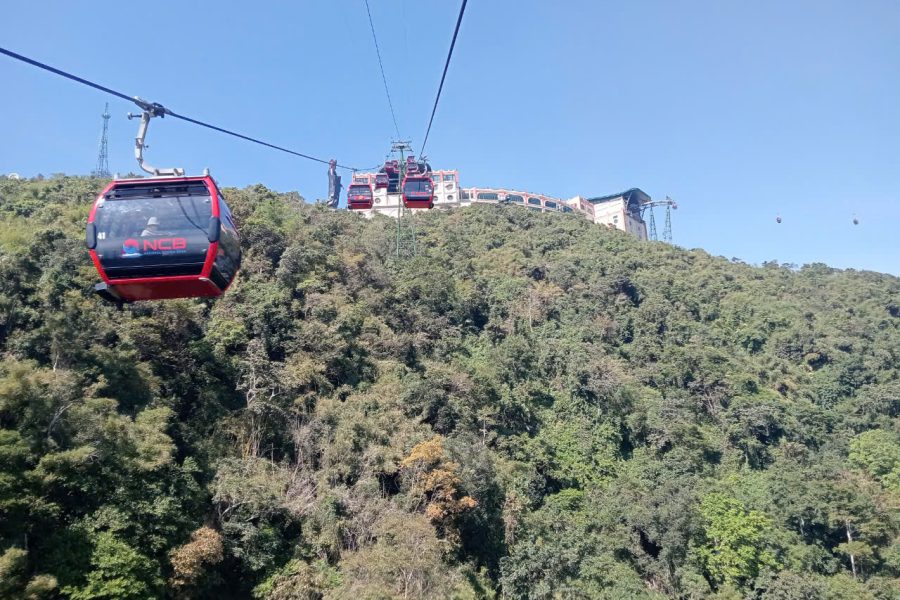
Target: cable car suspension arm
x=150, y=110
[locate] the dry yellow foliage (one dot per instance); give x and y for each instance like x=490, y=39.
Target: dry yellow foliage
x=434, y=479
x=205, y=548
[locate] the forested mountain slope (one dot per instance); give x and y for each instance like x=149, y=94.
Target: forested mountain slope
x=533, y=407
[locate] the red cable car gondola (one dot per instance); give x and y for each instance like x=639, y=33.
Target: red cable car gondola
x=359, y=196
x=392, y=170
x=168, y=236
x=418, y=191
x=162, y=238
x=381, y=181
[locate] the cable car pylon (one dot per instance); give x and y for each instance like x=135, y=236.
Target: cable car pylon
x=667, y=230
x=406, y=246
x=667, y=227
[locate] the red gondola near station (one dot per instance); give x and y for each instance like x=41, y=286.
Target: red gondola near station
x=418, y=189
x=359, y=195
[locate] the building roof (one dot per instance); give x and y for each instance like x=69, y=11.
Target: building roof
x=633, y=198
x=633, y=195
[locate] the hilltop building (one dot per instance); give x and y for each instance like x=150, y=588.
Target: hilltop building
x=621, y=211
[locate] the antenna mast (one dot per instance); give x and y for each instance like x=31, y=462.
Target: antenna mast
x=102, y=169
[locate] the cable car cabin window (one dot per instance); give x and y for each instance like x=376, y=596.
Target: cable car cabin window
x=534, y=201
x=153, y=231
x=393, y=183
x=418, y=191
x=418, y=186
x=550, y=205
x=360, y=190
x=228, y=254
x=488, y=196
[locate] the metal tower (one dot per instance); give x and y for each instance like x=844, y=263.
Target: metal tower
x=102, y=169
x=406, y=222
x=667, y=228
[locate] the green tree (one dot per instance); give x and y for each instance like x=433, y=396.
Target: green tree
x=117, y=571
x=737, y=543
x=534, y=407
x=878, y=453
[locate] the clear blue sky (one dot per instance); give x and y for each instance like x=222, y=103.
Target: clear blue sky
x=738, y=110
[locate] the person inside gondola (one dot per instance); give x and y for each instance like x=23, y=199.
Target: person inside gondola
x=152, y=228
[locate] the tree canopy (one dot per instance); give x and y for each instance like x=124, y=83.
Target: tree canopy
x=531, y=407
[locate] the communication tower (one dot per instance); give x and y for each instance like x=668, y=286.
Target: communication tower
x=102, y=169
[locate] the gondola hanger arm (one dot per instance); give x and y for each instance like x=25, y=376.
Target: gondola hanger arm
x=148, y=111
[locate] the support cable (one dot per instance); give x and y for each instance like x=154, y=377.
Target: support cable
x=156, y=109
x=381, y=66
x=462, y=9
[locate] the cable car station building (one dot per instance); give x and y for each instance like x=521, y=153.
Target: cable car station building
x=620, y=211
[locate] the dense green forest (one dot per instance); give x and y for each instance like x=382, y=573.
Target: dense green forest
x=532, y=407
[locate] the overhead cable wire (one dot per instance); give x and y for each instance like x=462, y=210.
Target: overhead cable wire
x=381, y=65
x=41, y=65
x=158, y=109
x=254, y=140
x=462, y=9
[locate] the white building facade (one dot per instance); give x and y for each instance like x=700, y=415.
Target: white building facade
x=622, y=211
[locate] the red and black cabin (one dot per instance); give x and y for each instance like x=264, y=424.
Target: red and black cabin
x=162, y=238
x=359, y=196
x=381, y=181
x=418, y=191
x=392, y=169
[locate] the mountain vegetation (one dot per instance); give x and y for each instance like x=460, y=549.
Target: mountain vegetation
x=532, y=407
